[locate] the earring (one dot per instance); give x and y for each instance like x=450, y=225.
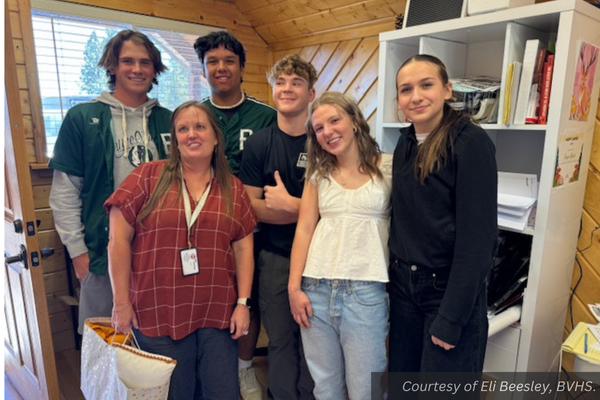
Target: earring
x=354, y=130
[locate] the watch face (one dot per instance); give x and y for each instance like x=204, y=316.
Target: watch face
x=249, y=302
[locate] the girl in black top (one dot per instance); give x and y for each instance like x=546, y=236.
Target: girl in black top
x=444, y=228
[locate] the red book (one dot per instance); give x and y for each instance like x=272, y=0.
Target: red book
x=546, y=86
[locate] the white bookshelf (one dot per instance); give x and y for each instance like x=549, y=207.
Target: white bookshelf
x=484, y=45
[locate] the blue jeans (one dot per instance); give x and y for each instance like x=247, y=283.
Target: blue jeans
x=346, y=340
x=207, y=364
x=415, y=297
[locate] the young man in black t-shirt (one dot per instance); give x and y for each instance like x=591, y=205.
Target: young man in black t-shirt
x=273, y=165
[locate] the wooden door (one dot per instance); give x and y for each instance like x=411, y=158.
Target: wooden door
x=28, y=352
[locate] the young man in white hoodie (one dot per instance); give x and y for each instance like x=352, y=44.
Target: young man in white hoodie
x=98, y=145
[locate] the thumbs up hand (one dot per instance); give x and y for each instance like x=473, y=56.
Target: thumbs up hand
x=277, y=197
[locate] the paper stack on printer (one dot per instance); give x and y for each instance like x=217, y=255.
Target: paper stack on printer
x=517, y=194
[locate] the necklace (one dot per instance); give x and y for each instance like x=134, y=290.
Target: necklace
x=228, y=107
x=339, y=173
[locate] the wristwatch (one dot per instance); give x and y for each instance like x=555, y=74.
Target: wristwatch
x=245, y=301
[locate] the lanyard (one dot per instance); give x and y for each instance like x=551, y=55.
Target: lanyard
x=189, y=217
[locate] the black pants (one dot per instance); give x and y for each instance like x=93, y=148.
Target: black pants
x=289, y=378
x=415, y=297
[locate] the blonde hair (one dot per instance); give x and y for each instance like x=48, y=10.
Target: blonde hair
x=323, y=163
x=293, y=64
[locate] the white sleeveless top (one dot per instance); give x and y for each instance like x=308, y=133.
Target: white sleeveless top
x=351, y=238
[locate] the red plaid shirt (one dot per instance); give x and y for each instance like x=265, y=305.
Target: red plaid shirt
x=166, y=302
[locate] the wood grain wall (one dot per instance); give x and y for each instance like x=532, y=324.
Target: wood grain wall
x=587, y=267
x=340, y=38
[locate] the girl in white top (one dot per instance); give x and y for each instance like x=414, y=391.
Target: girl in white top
x=338, y=272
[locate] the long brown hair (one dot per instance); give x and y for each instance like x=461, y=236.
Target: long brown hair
x=438, y=148
x=322, y=162
x=171, y=172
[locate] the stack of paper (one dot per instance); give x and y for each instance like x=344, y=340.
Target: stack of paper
x=584, y=343
x=517, y=194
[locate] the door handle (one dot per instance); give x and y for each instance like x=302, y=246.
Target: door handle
x=46, y=252
x=12, y=261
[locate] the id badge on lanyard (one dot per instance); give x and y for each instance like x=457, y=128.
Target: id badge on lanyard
x=189, y=256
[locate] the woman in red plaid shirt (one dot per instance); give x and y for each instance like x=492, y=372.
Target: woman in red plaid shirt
x=180, y=257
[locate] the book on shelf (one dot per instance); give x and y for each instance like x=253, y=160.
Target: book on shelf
x=513, y=75
x=533, y=107
x=532, y=48
x=546, y=89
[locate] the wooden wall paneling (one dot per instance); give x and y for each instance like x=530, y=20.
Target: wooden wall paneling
x=55, y=304
x=247, y=5
x=336, y=62
x=25, y=107
x=40, y=196
x=289, y=10
x=591, y=200
x=581, y=312
x=587, y=290
x=42, y=176
x=361, y=30
x=28, y=127
x=355, y=63
x=278, y=55
x=309, y=52
x=18, y=48
x=13, y=5
x=257, y=69
x=362, y=12
x=366, y=78
x=207, y=12
x=588, y=243
x=56, y=262
x=56, y=281
x=50, y=239
x=15, y=25
x=256, y=90
x=61, y=322
x=371, y=121
x=63, y=341
x=368, y=104
x=30, y=147
x=248, y=36
x=323, y=55
x=46, y=219
x=35, y=99
x=595, y=155
x=22, y=77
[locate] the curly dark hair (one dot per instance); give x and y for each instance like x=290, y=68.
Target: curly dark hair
x=214, y=40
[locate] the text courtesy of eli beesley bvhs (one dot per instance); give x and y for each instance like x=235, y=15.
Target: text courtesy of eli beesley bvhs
x=546, y=386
